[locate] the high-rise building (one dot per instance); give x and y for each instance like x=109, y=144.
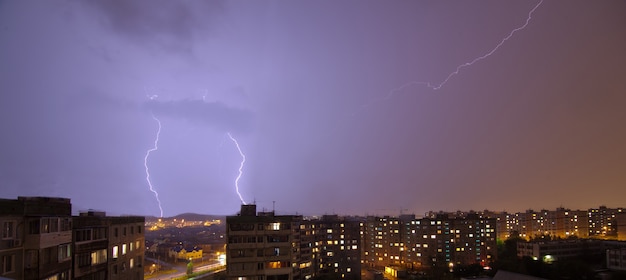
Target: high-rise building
x=108, y=247
x=263, y=246
x=36, y=238
x=602, y=221
x=437, y=240
x=41, y=240
x=337, y=249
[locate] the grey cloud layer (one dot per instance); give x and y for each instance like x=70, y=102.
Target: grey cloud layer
x=214, y=114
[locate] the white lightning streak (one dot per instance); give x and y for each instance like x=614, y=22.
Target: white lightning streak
x=145, y=163
x=461, y=66
x=243, y=161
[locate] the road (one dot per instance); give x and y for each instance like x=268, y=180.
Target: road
x=181, y=270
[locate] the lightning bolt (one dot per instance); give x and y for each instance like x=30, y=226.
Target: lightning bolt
x=243, y=161
x=435, y=86
x=145, y=163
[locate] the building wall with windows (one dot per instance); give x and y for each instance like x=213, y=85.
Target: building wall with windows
x=126, y=247
x=437, y=240
x=263, y=246
x=108, y=247
x=37, y=238
x=337, y=249
x=41, y=240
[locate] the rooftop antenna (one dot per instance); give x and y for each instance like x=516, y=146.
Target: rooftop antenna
x=273, y=205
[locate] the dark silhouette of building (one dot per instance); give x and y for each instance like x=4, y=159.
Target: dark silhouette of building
x=108, y=247
x=265, y=246
x=41, y=240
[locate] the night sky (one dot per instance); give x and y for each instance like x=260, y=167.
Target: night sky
x=339, y=106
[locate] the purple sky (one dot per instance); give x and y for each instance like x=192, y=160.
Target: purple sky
x=307, y=87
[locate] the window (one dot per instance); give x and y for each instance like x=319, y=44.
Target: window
x=99, y=233
x=115, y=231
x=275, y=226
x=124, y=249
x=98, y=257
x=8, y=230
x=64, y=252
x=8, y=264
x=66, y=224
x=45, y=225
x=138, y=229
x=124, y=231
x=54, y=224
x=83, y=235
x=115, y=252
x=83, y=260
x=132, y=263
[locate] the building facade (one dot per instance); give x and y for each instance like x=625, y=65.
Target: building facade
x=440, y=239
x=41, y=240
x=108, y=247
x=263, y=246
x=37, y=238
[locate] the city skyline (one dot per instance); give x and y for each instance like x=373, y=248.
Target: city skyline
x=349, y=108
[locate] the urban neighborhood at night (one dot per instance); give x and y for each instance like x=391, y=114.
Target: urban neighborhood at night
x=313, y=140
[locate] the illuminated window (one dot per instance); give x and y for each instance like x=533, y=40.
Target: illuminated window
x=132, y=263
x=124, y=249
x=115, y=253
x=275, y=226
x=98, y=257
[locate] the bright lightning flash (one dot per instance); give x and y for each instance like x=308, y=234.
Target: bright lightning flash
x=243, y=161
x=145, y=163
x=470, y=63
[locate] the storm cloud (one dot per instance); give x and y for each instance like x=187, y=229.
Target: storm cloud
x=217, y=115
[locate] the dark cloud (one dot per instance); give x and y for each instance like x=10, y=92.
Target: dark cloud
x=171, y=24
x=215, y=114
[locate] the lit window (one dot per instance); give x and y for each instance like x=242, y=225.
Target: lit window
x=275, y=226
x=124, y=249
x=115, y=252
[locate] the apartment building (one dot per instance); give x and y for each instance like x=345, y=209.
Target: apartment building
x=107, y=247
x=337, y=249
x=263, y=246
x=41, y=240
x=439, y=239
x=36, y=238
